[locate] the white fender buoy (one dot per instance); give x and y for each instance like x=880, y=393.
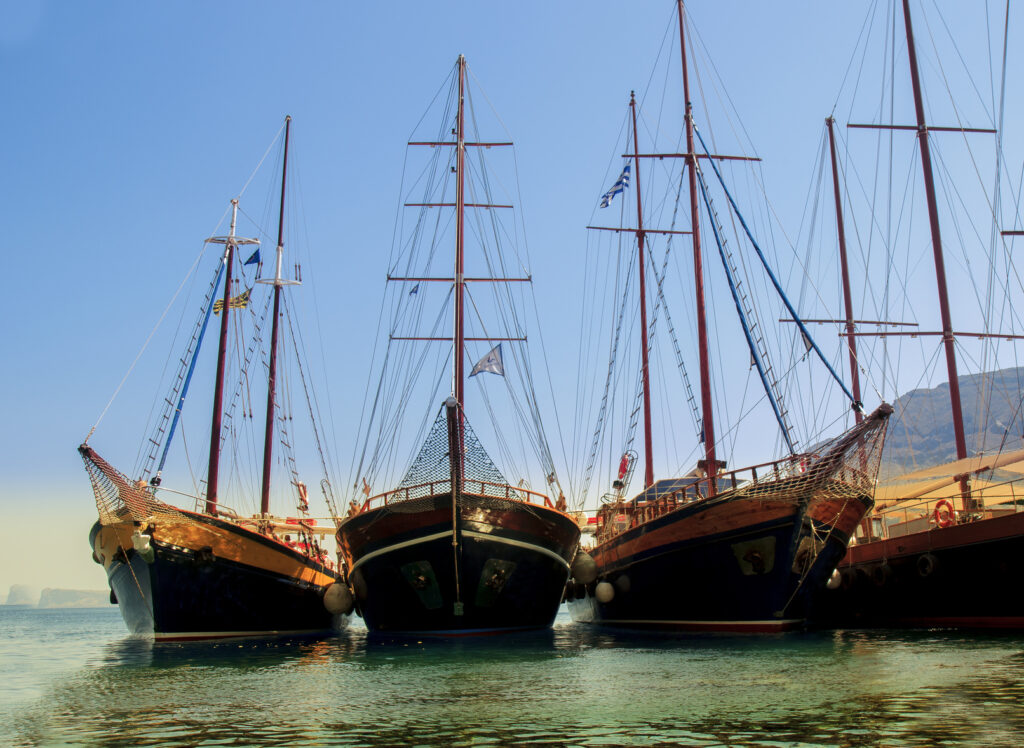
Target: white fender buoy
x=584, y=568
x=835, y=580
x=140, y=542
x=338, y=599
x=604, y=592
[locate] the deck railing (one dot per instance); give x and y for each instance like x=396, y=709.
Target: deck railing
x=476, y=487
x=619, y=515
x=903, y=518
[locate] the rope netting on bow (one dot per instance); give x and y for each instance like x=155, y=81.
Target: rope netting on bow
x=119, y=499
x=432, y=471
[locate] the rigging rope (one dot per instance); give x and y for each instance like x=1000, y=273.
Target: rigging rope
x=754, y=353
x=775, y=282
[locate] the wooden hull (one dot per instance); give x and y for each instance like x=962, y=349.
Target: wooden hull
x=505, y=570
x=209, y=579
x=963, y=576
x=740, y=563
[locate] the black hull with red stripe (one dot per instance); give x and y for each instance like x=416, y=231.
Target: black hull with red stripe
x=960, y=576
x=499, y=566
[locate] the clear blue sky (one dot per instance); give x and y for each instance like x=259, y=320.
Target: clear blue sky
x=128, y=126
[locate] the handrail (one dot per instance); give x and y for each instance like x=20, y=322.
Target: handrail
x=635, y=511
x=992, y=499
x=728, y=480
x=422, y=490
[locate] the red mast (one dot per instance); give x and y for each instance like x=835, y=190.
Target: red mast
x=460, y=207
x=268, y=439
x=940, y=268
x=707, y=417
x=459, y=279
x=218, y=392
x=850, y=327
x=644, y=370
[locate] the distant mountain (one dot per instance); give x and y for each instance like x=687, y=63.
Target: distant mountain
x=921, y=429
x=22, y=594
x=52, y=598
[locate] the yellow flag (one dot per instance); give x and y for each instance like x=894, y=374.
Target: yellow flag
x=237, y=302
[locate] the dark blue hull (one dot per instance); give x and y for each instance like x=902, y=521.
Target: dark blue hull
x=180, y=593
x=506, y=572
x=756, y=578
x=693, y=553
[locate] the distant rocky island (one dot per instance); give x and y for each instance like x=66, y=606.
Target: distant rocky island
x=25, y=596
x=22, y=594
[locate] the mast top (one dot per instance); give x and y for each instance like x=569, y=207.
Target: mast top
x=235, y=241
x=277, y=281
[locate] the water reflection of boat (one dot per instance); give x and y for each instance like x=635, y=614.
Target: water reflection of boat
x=263, y=652
x=207, y=571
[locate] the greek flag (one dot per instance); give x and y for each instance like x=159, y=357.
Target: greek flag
x=491, y=362
x=620, y=184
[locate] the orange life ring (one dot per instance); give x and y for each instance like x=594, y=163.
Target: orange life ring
x=944, y=518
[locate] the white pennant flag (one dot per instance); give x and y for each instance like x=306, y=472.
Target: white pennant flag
x=808, y=345
x=491, y=362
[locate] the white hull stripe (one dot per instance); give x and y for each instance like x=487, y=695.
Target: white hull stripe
x=465, y=533
x=398, y=547
x=517, y=544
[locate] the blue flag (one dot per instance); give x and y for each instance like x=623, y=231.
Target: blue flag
x=620, y=184
x=254, y=258
x=414, y=289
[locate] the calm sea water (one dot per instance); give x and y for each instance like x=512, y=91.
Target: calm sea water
x=73, y=677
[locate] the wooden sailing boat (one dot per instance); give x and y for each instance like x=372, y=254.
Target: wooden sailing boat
x=454, y=548
x=947, y=540
x=208, y=572
x=720, y=549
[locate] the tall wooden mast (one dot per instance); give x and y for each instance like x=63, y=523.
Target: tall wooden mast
x=707, y=416
x=230, y=242
x=644, y=352
x=940, y=268
x=278, y=282
x=455, y=410
x=948, y=335
x=459, y=279
x=851, y=338
x=458, y=370
x=218, y=392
